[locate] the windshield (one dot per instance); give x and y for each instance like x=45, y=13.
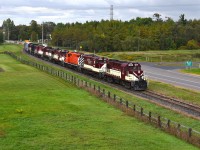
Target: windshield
x=134, y=68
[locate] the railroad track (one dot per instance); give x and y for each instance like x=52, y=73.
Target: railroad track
x=172, y=103
x=168, y=102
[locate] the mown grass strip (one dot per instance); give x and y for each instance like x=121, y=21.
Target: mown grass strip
x=195, y=71
x=10, y=47
x=156, y=56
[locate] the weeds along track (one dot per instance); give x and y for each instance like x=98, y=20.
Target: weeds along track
x=172, y=103
x=165, y=101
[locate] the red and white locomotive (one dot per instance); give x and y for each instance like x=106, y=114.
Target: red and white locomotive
x=128, y=74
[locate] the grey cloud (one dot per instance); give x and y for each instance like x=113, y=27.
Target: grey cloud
x=82, y=10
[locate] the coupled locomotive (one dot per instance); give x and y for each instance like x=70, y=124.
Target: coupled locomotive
x=128, y=74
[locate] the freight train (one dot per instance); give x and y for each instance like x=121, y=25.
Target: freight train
x=128, y=74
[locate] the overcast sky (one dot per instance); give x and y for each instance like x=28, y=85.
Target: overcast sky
x=23, y=11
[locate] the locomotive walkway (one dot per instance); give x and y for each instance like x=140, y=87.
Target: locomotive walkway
x=172, y=76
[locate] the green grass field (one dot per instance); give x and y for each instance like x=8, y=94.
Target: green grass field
x=195, y=71
x=39, y=111
x=10, y=47
x=166, y=89
x=156, y=56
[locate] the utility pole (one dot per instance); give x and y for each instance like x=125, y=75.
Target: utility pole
x=4, y=31
x=139, y=41
x=111, y=12
x=8, y=32
x=42, y=33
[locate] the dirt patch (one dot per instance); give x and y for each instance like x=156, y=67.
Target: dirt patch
x=2, y=134
x=1, y=70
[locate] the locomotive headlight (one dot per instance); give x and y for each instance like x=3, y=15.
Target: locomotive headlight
x=143, y=77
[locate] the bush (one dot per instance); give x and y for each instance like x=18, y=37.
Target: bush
x=192, y=44
x=182, y=48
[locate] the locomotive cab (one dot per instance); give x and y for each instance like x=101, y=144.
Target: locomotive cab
x=135, y=75
x=46, y=51
x=133, y=71
x=62, y=56
x=39, y=50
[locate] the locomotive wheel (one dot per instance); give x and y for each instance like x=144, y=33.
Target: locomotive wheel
x=136, y=87
x=127, y=85
x=110, y=79
x=63, y=64
x=101, y=76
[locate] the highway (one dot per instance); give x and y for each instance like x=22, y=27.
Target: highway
x=172, y=76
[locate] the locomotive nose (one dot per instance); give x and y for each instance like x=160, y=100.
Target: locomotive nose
x=138, y=73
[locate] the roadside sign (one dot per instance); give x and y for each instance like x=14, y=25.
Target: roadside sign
x=188, y=64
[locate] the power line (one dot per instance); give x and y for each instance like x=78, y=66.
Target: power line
x=42, y=32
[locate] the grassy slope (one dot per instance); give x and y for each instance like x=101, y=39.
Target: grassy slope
x=42, y=112
x=10, y=47
x=187, y=95
x=156, y=56
x=176, y=92
x=195, y=71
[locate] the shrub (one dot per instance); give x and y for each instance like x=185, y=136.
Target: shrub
x=192, y=44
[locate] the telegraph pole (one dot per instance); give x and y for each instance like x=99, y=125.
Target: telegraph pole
x=139, y=41
x=111, y=12
x=4, y=31
x=8, y=32
x=42, y=33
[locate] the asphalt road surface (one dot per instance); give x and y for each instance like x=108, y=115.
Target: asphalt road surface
x=170, y=75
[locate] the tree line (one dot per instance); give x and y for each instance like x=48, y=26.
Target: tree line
x=32, y=32
x=138, y=34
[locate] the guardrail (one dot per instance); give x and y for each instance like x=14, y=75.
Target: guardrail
x=165, y=124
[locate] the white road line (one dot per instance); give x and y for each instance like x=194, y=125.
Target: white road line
x=173, y=77
x=168, y=81
x=184, y=74
x=172, y=71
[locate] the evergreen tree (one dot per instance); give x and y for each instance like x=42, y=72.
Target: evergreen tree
x=1, y=38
